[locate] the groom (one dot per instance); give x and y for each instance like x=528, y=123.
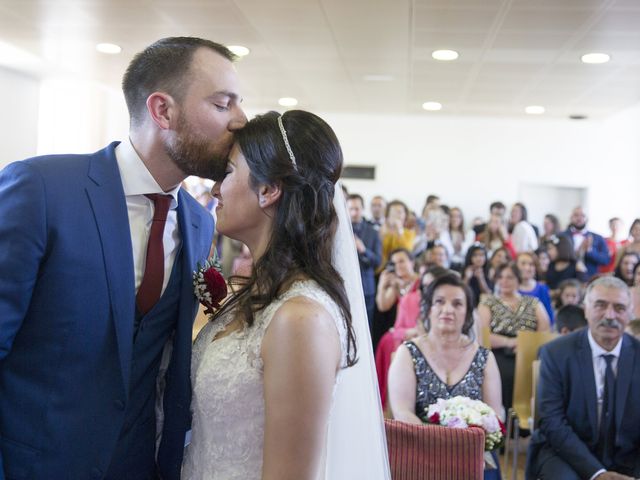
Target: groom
x=96, y=257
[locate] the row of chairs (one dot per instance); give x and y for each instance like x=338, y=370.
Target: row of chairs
x=431, y=452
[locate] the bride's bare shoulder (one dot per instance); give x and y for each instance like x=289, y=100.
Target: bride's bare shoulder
x=302, y=324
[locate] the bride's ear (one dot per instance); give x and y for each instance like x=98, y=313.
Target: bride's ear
x=269, y=195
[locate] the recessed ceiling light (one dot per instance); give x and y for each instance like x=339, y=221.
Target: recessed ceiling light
x=595, y=58
x=288, y=102
x=377, y=78
x=239, y=50
x=445, y=55
x=109, y=48
x=432, y=106
x=534, y=110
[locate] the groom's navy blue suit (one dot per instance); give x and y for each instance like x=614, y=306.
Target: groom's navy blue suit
x=568, y=432
x=78, y=363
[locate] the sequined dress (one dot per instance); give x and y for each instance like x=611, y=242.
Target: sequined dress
x=228, y=393
x=429, y=387
x=507, y=322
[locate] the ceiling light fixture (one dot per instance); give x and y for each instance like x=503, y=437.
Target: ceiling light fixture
x=239, y=50
x=108, y=48
x=595, y=58
x=287, y=102
x=445, y=55
x=432, y=106
x=534, y=110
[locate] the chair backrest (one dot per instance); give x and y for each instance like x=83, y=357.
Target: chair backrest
x=527, y=345
x=485, y=336
x=535, y=374
x=433, y=452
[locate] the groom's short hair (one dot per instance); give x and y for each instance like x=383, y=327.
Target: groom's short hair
x=163, y=66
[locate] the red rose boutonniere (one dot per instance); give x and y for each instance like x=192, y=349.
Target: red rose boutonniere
x=209, y=285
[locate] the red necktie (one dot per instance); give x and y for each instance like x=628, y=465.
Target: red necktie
x=151, y=285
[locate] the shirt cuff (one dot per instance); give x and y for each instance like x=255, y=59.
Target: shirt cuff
x=595, y=475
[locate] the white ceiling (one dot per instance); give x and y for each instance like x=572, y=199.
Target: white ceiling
x=513, y=53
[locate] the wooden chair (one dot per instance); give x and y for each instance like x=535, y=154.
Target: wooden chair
x=485, y=336
x=433, y=452
x=527, y=345
x=535, y=411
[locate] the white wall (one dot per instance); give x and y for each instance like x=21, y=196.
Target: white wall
x=19, y=119
x=470, y=161
x=467, y=161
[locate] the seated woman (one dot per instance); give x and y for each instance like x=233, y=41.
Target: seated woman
x=405, y=327
x=626, y=264
x=475, y=272
x=495, y=236
x=446, y=361
x=500, y=257
x=523, y=236
x=459, y=239
x=505, y=314
x=635, y=291
x=393, y=233
x=526, y=263
x=397, y=280
x=563, y=263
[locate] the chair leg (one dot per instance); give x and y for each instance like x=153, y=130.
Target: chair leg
x=507, y=442
x=516, y=446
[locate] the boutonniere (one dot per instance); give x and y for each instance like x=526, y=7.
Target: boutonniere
x=209, y=285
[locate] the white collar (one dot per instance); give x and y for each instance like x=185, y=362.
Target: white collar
x=598, y=351
x=136, y=178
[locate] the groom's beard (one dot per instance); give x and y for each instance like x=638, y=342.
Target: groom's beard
x=196, y=154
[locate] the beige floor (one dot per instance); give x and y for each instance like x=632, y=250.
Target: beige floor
x=522, y=458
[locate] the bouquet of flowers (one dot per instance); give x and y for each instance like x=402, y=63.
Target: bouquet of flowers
x=462, y=412
x=209, y=285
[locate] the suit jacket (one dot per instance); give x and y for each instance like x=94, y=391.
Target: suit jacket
x=67, y=307
x=568, y=405
x=595, y=257
x=370, y=259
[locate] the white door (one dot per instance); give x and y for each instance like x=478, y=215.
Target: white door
x=543, y=199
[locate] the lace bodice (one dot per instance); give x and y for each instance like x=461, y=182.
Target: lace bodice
x=228, y=401
x=429, y=387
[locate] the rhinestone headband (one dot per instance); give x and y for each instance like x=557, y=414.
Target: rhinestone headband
x=286, y=142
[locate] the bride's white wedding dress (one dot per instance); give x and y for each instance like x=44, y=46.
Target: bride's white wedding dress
x=228, y=401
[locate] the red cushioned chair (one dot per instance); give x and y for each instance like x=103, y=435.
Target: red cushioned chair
x=433, y=452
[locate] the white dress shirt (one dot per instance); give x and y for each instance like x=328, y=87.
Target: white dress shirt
x=599, y=369
x=137, y=181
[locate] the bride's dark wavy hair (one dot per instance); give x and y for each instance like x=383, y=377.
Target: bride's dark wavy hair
x=305, y=220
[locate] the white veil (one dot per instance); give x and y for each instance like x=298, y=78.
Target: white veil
x=357, y=447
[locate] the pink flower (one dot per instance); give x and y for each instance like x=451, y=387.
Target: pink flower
x=456, y=422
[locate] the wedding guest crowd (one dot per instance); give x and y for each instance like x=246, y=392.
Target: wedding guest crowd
x=505, y=275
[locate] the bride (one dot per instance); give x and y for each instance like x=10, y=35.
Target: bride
x=283, y=378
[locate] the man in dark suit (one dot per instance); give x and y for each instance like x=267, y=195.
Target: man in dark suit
x=96, y=299
x=590, y=247
x=588, y=394
x=369, y=250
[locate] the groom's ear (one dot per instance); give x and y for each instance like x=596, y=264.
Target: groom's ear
x=269, y=195
x=161, y=108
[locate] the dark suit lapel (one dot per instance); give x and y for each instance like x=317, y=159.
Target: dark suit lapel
x=585, y=365
x=106, y=196
x=189, y=221
x=626, y=363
